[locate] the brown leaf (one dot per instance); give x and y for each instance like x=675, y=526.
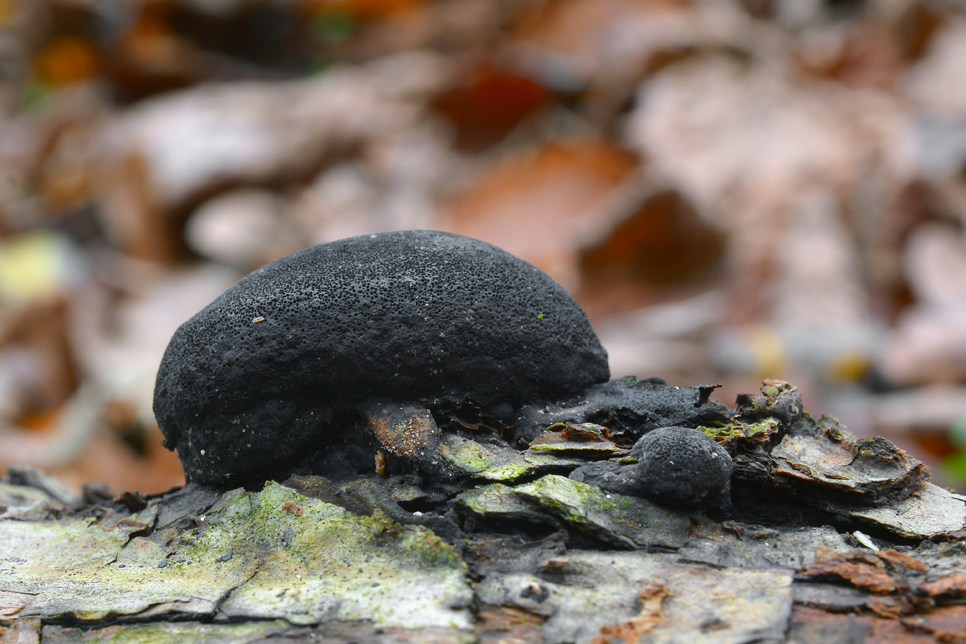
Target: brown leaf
x=946, y=585
x=489, y=103
x=946, y=625
x=578, y=28
x=943, y=625
x=65, y=60
x=903, y=560
x=543, y=204
x=889, y=607
x=662, y=240
x=858, y=568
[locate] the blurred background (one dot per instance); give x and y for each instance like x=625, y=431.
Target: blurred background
x=732, y=189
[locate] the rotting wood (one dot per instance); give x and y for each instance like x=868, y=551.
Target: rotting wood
x=521, y=554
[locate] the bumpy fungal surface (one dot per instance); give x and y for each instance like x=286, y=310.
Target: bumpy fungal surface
x=682, y=465
x=676, y=466
x=629, y=408
x=249, y=385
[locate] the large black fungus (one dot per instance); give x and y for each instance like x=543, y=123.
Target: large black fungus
x=251, y=384
x=676, y=466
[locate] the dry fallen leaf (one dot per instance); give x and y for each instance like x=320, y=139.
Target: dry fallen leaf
x=543, y=203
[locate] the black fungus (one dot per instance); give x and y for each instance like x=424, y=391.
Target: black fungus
x=250, y=384
x=629, y=408
x=676, y=466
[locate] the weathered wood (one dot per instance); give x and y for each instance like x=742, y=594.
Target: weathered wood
x=277, y=565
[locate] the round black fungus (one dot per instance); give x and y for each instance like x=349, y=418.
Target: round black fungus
x=679, y=465
x=248, y=385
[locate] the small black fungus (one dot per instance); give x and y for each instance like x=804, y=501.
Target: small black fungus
x=249, y=385
x=682, y=465
x=676, y=466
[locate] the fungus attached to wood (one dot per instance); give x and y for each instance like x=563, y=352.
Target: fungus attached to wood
x=676, y=466
x=249, y=386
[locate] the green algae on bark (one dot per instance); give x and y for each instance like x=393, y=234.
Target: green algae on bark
x=318, y=562
x=273, y=554
x=497, y=503
x=465, y=456
x=260, y=632
x=624, y=521
x=743, y=435
x=497, y=463
x=164, y=632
